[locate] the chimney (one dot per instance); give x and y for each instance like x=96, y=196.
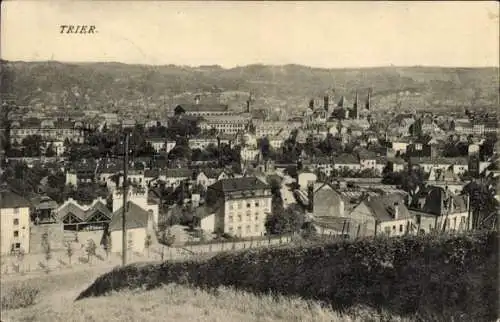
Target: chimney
x=248, y=103
x=368, y=99
x=219, y=152
x=326, y=101
x=396, y=210
x=355, y=107
x=197, y=99
x=310, y=196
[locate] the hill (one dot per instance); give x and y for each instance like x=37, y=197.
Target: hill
x=118, y=86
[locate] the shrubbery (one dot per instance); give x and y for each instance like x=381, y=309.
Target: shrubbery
x=426, y=275
x=18, y=297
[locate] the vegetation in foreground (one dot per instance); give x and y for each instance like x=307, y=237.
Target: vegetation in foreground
x=427, y=277
x=184, y=303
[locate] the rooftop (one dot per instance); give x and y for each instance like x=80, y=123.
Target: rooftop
x=239, y=184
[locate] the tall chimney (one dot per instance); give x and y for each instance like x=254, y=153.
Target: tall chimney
x=368, y=99
x=248, y=103
x=219, y=152
x=396, y=210
x=356, y=112
x=326, y=104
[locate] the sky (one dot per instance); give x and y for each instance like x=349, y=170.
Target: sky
x=319, y=34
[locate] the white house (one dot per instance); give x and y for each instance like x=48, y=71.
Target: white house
x=138, y=225
x=15, y=222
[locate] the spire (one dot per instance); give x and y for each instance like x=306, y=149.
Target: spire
x=341, y=101
x=355, y=106
x=249, y=100
x=368, y=99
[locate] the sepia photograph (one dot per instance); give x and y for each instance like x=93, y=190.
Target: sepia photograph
x=255, y=161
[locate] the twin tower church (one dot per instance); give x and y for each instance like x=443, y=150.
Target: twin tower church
x=341, y=111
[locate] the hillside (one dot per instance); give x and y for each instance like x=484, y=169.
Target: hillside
x=118, y=86
x=186, y=304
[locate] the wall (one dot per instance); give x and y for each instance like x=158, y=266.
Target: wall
x=362, y=215
x=208, y=223
x=454, y=221
x=328, y=202
x=138, y=240
x=396, y=227
x=96, y=236
x=7, y=228
x=55, y=236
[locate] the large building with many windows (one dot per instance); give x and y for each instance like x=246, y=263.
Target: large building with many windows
x=15, y=223
x=241, y=205
x=48, y=129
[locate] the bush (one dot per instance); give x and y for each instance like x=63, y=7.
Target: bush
x=18, y=297
x=410, y=275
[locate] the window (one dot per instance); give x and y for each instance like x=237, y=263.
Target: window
x=400, y=228
x=249, y=229
x=16, y=233
x=256, y=204
x=17, y=245
x=257, y=228
x=231, y=206
x=387, y=230
x=230, y=219
x=239, y=217
x=256, y=216
x=393, y=227
x=248, y=205
x=240, y=205
x=16, y=222
x=231, y=229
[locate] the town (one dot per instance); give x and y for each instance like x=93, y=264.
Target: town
x=211, y=174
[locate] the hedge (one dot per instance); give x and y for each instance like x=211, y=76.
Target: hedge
x=425, y=275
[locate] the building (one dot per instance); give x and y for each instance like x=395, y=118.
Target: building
x=198, y=109
x=15, y=222
x=48, y=129
x=241, y=205
x=227, y=124
x=138, y=225
x=139, y=196
x=208, y=177
x=174, y=177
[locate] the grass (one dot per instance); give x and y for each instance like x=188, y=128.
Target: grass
x=184, y=303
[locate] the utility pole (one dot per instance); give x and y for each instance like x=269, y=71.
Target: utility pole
x=124, y=207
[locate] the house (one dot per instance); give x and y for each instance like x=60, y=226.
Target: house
x=174, y=177
x=205, y=219
x=15, y=222
x=449, y=211
x=43, y=210
x=241, y=205
x=249, y=154
x=83, y=171
x=140, y=197
x=391, y=215
x=346, y=161
x=367, y=159
x=158, y=144
x=208, y=177
x=325, y=201
x=138, y=225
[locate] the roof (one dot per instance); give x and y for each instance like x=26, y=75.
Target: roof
x=203, y=212
x=383, y=207
x=345, y=158
x=135, y=217
x=212, y=173
x=9, y=199
x=437, y=197
x=43, y=202
x=178, y=173
x=239, y=184
x=82, y=212
x=204, y=107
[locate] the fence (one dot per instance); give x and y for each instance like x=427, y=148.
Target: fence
x=59, y=261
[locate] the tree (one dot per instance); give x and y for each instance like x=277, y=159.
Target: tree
x=32, y=145
x=90, y=249
x=147, y=243
x=50, y=152
x=107, y=244
x=69, y=251
x=47, y=250
x=265, y=147
x=483, y=203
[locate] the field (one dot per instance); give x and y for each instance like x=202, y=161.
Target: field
x=182, y=303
